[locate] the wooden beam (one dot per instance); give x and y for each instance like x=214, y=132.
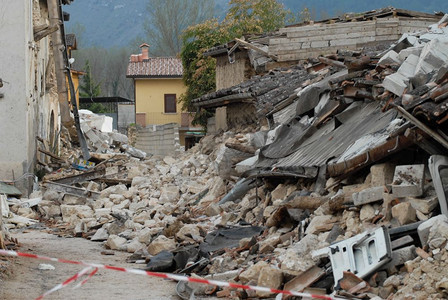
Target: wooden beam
x=255, y=48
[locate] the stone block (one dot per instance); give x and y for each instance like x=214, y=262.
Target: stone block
x=408, y=180
x=269, y=277
x=396, y=83
x=423, y=229
x=382, y=174
x=367, y=213
x=115, y=242
x=161, y=243
x=390, y=58
x=404, y=213
x=408, y=51
x=425, y=206
x=400, y=256
x=368, y=195
x=407, y=68
x=321, y=224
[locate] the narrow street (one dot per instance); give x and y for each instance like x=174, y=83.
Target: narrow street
x=28, y=282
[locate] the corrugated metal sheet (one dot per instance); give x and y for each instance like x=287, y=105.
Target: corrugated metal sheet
x=325, y=146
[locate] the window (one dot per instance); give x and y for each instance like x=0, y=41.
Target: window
x=170, y=103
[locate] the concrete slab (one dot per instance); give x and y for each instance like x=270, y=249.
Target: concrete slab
x=408, y=181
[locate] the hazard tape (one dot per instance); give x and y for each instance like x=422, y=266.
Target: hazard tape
x=163, y=275
x=65, y=283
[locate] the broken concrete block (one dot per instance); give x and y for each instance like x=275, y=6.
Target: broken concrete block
x=253, y=272
x=402, y=255
x=80, y=211
x=134, y=246
x=390, y=58
x=116, y=242
x=404, y=213
x=269, y=277
x=407, y=68
x=161, y=243
x=304, y=280
x=100, y=235
x=423, y=229
x=408, y=180
x=368, y=195
x=189, y=233
x=279, y=193
x=396, y=83
x=73, y=200
x=169, y=193
x=382, y=174
x=367, y=213
x=425, y=206
x=321, y=224
x=408, y=51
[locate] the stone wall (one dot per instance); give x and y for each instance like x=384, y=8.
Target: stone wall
x=159, y=139
x=319, y=39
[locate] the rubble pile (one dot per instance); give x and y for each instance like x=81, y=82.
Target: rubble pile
x=338, y=197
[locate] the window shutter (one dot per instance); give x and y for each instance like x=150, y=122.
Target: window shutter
x=170, y=103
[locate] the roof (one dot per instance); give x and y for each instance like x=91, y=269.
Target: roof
x=105, y=100
x=156, y=67
x=266, y=90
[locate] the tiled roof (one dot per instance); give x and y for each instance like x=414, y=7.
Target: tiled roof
x=155, y=67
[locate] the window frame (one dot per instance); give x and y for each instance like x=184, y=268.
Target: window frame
x=167, y=98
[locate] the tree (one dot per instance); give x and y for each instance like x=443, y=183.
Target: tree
x=243, y=17
x=167, y=19
x=88, y=88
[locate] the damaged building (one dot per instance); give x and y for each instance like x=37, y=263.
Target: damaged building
x=325, y=175
x=33, y=92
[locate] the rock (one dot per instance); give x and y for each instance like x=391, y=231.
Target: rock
x=140, y=182
x=436, y=243
x=115, y=189
x=425, y=206
x=253, y=272
x=169, y=193
x=402, y=255
x=144, y=236
x=51, y=195
x=226, y=159
x=169, y=160
x=269, y=244
x=404, y=213
x=80, y=211
x=116, y=242
x=298, y=257
x=321, y=224
x=160, y=244
x=134, y=246
x=189, y=232
x=393, y=280
x=442, y=285
x=423, y=229
x=51, y=211
x=367, y=213
x=390, y=58
x=217, y=188
x=213, y=210
x=382, y=174
x=279, y=193
x=100, y=235
x=73, y=200
x=269, y=277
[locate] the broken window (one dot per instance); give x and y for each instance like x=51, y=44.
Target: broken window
x=170, y=103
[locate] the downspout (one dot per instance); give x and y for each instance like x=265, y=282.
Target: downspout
x=58, y=54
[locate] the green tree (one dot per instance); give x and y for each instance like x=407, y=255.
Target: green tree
x=167, y=19
x=88, y=88
x=243, y=17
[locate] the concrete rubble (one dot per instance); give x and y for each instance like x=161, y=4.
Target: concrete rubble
x=168, y=214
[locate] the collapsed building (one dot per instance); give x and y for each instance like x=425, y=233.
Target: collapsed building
x=325, y=176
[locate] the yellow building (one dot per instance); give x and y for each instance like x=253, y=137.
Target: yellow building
x=157, y=87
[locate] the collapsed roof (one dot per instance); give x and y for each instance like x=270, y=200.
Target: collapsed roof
x=334, y=117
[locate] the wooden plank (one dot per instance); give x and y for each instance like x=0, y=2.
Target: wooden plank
x=328, y=36
x=386, y=31
x=304, y=280
x=332, y=31
x=86, y=176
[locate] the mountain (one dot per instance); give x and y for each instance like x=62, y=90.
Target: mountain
x=109, y=23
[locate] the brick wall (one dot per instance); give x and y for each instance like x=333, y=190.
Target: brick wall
x=159, y=139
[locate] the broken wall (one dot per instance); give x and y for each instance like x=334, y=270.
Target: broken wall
x=320, y=39
x=159, y=139
x=29, y=107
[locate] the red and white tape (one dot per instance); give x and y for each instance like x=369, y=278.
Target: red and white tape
x=161, y=275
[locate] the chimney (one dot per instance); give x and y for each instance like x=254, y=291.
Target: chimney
x=145, y=51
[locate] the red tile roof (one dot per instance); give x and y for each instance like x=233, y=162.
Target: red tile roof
x=154, y=67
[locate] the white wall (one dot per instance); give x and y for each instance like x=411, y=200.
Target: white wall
x=26, y=106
